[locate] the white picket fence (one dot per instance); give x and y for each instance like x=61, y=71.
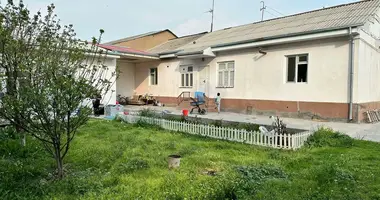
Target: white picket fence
x=281, y=141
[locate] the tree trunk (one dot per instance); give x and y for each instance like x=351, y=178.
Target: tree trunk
x=59, y=161
x=21, y=133
x=23, y=139
x=60, y=168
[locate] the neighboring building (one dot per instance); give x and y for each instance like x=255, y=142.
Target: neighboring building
x=145, y=41
x=322, y=63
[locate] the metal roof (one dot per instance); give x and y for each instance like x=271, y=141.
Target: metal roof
x=341, y=16
x=176, y=43
x=138, y=36
x=126, y=50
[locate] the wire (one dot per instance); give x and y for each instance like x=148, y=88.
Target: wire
x=275, y=10
x=271, y=13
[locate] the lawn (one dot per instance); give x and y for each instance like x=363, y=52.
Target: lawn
x=113, y=160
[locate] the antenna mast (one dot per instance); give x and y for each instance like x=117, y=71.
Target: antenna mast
x=262, y=9
x=212, y=15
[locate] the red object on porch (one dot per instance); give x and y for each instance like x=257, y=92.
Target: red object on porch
x=185, y=113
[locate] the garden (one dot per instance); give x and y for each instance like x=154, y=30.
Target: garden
x=50, y=147
x=115, y=160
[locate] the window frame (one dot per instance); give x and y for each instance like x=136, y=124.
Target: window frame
x=218, y=70
x=188, y=77
x=297, y=63
x=155, y=75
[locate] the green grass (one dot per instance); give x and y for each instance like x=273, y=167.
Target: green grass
x=113, y=160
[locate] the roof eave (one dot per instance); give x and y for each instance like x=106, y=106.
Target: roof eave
x=140, y=54
x=285, y=35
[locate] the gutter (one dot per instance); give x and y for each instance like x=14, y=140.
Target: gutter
x=190, y=53
x=112, y=55
x=301, y=38
x=140, y=56
x=351, y=69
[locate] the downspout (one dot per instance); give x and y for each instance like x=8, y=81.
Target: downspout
x=351, y=69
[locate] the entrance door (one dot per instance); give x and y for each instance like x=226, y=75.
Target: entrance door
x=203, y=85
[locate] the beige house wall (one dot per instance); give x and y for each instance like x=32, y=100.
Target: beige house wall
x=110, y=96
x=125, y=84
x=260, y=76
x=148, y=42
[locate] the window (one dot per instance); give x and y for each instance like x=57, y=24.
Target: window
x=226, y=74
x=153, y=76
x=297, y=68
x=186, y=76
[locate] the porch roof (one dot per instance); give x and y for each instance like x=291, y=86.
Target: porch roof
x=130, y=54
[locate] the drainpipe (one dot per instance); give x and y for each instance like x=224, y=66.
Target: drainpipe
x=351, y=68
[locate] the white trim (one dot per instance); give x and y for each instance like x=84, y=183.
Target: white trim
x=155, y=75
x=168, y=56
x=229, y=74
x=297, y=62
x=287, y=40
x=139, y=56
x=184, y=78
x=102, y=55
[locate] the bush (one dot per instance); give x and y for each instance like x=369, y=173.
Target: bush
x=218, y=123
x=249, y=126
x=329, y=138
x=8, y=132
x=147, y=112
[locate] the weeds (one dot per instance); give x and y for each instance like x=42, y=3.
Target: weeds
x=131, y=165
x=328, y=138
x=252, y=177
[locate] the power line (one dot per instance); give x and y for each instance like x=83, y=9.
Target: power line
x=275, y=10
x=271, y=14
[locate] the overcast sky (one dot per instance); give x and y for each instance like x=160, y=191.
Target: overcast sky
x=123, y=18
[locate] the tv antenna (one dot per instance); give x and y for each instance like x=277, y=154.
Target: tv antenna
x=262, y=9
x=212, y=15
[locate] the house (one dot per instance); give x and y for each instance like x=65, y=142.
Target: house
x=323, y=63
x=145, y=41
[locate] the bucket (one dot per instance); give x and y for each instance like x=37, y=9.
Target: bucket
x=185, y=113
x=174, y=161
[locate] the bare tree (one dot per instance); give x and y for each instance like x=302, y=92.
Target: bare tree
x=49, y=74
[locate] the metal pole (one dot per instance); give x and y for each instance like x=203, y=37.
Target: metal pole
x=212, y=15
x=351, y=68
x=262, y=9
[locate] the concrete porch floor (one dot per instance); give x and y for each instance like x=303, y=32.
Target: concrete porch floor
x=369, y=132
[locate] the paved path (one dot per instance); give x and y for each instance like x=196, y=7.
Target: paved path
x=360, y=131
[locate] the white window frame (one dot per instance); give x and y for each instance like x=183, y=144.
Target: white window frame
x=155, y=74
x=225, y=71
x=188, y=76
x=296, y=68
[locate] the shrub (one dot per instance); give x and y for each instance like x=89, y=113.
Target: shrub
x=329, y=138
x=218, y=123
x=8, y=132
x=248, y=126
x=147, y=112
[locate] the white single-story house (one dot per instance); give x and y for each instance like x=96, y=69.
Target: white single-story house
x=323, y=63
